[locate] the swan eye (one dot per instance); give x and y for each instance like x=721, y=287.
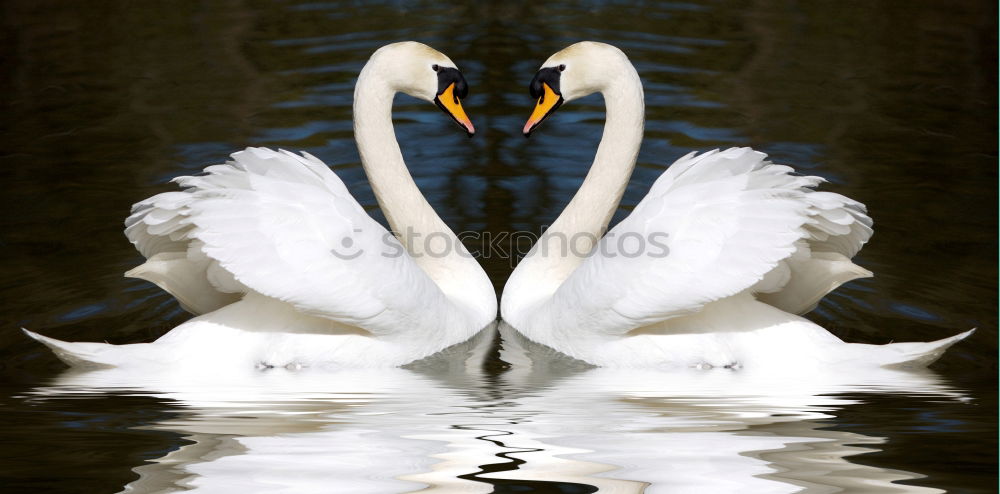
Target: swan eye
x=562, y=68
x=435, y=67
x=547, y=76
x=447, y=76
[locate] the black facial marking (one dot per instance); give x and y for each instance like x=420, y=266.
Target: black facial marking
x=448, y=76
x=548, y=75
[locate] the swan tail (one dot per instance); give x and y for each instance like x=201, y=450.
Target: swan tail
x=81, y=354
x=916, y=354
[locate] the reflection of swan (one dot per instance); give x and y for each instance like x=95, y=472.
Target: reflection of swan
x=710, y=267
x=545, y=422
x=307, y=430
x=321, y=282
x=747, y=430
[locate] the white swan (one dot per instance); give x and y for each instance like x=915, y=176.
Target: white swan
x=708, y=270
x=284, y=266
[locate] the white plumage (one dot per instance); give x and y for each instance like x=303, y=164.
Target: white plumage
x=285, y=268
x=711, y=266
x=274, y=223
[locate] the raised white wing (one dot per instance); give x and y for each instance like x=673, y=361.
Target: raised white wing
x=286, y=227
x=714, y=225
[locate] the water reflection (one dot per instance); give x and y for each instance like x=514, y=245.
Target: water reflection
x=545, y=422
x=308, y=431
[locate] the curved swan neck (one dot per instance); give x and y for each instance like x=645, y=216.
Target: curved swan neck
x=595, y=202
x=427, y=239
x=398, y=196
x=567, y=242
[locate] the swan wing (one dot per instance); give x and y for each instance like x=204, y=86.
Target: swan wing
x=284, y=226
x=712, y=226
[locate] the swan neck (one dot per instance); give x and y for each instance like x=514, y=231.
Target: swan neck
x=570, y=239
x=396, y=192
x=587, y=215
x=427, y=239
x=594, y=204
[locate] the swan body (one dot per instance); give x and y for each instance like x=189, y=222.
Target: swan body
x=283, y=267
x=711, y=268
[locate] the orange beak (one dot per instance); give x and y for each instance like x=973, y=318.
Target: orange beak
x=547, y=103
x=450, y=104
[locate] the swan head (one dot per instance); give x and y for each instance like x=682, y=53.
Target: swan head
x=578, y=70
x=422, y=72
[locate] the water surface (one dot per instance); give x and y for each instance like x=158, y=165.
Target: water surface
x=894, y=103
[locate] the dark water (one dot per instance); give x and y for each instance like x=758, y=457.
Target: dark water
x=893, y=102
